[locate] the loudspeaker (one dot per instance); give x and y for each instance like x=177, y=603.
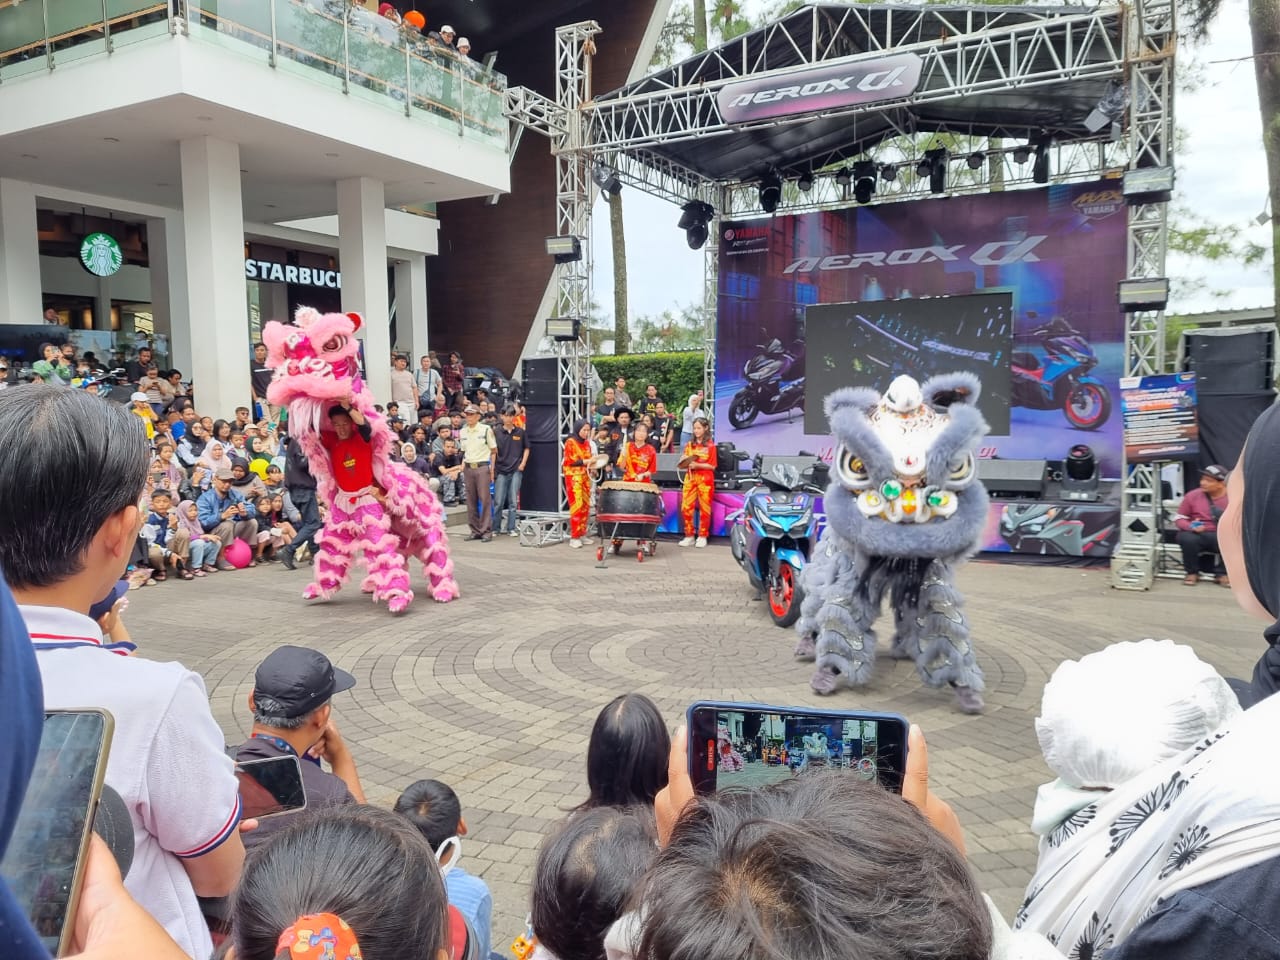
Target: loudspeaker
x=666, y=475
x=540, y=489
x=1230, y=359
x=541, y=423
x=541, y=380
x=1017, y=479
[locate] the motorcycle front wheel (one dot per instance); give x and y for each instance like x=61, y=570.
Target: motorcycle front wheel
x=743, y=410
x=1088, y=406
x=785, y=594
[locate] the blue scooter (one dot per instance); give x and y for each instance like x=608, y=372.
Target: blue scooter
x=774, y=531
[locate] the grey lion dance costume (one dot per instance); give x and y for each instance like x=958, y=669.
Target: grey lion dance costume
x=903, y=508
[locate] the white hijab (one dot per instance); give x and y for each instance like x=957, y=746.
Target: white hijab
x=1201, y=815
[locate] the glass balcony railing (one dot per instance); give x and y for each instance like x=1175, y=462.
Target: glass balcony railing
x=331, y=42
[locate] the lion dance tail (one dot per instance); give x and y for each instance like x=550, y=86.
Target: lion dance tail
x=423, y=530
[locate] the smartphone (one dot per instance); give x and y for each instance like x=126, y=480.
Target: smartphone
x=749, y=744
x=44, y=864
x=270, y=786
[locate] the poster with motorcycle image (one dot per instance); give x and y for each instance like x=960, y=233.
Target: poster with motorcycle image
x=907, y=284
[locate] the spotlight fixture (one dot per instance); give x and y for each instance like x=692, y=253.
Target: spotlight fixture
x=1110, y=108
x=937, y=169
x=864, y=176
x=606, y=178
x=844, y=177
x=922, y=168
x=1021, y=154
x=770, y=192
x=1080, y=474
x=805, y=183
x=975, y=160
x=694, y=217
x=889, y=173
x=1148, y=185
x=564, y=329
x=565, y=249
x=1040, y=168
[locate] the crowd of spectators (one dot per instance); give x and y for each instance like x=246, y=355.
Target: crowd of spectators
x=1161, y=833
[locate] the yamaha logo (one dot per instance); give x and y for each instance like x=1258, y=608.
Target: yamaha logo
x=1097, y=204
x=729, y=234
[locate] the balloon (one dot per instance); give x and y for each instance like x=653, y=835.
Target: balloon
x=259, y=467
x=238, y=554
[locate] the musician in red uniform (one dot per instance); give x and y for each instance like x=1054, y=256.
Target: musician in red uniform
x=699, y=484
x=577, y=481
x=638, y=462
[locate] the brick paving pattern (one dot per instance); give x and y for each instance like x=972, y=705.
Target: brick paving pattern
x=495, y=694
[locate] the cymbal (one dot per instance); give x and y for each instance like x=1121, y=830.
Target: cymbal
x=684, y=462
x=598, y=462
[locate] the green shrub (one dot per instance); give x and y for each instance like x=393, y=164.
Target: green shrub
x=677, y=375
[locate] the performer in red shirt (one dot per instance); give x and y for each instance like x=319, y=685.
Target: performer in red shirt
x=350, y=448
x=638, y=460
x=699, y=484
x=577, y=481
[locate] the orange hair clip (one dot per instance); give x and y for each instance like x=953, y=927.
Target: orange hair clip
x=320, y=936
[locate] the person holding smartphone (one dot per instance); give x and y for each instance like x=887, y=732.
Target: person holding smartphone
x=1198, y=516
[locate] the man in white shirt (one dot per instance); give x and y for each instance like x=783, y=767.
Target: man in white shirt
x=67, y=541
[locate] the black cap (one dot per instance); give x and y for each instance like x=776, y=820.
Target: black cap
x=293, y=681
x=1213, y=470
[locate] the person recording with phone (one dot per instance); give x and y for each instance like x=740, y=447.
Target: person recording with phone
x=293, y=716
x=167, y=759
x=1198, y=516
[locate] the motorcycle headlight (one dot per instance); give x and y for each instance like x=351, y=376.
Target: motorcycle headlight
x=762, y=517
x=805, y=518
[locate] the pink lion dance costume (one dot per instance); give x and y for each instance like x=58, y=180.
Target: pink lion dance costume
x=315, y=364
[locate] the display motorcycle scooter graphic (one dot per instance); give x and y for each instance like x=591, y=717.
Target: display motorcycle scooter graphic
x=1061, y=379
x=775, y=383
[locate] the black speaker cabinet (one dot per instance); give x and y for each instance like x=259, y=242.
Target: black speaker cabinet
x=1231, y=360
x=541, y=380
x=1017, y=479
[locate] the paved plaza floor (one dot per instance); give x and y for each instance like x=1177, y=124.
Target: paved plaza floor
x=496, y=692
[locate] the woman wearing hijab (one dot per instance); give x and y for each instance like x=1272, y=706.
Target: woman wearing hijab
x=214, y=458
x=246, y=481
x=204, y=546
x=692, y=411
x=191, y=446
x=1183, y=862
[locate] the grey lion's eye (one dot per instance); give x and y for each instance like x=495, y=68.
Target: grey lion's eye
x=960, y=469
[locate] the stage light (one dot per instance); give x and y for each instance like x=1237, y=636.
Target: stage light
x=805, y=183
x=1021, y=154
x=889, y=173
x=864, y=174
x=844, y=177
x=770, y=192
x=976, y=159
x=1148, y=185
x=1137, y=296
x=606, y=178
x=1040, y=168
x=922, y=168
x=564, y=249
x=937, y=169
x=1110, y=108
x=1080, y=474
x=564, y=329
x=694, y=217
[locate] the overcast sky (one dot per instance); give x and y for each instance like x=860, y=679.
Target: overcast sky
x=1221, y=174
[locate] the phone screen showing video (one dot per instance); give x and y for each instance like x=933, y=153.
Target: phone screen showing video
x=270, y=786
x=740, y=746
x=48, y=840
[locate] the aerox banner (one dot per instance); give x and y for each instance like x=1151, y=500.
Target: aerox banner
x=831, y=86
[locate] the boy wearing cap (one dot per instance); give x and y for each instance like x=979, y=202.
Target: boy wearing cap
x=1197, y=520
x=293, y=717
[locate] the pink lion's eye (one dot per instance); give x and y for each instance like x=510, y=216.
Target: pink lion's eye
x=334, y=344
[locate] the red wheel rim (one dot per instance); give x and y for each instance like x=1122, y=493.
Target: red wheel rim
x=780, y=595
x=1092, y=406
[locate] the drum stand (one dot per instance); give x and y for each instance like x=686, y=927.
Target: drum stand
x=542, y=529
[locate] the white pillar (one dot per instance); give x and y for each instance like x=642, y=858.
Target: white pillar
x=411, y=307
x=362, y=256
x=20, y=295
x=166, y=251
x=217, y=313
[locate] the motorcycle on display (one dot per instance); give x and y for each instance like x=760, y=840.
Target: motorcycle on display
x=1061, y=379
x=1055, y=530
x=775, y=383
x=773, y=533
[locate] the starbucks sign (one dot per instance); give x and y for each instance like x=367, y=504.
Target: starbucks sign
x=101, y=254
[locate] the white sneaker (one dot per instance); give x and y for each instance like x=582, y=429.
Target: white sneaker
x=587, y=540
x=514, y=533
x=575, y=543
x=686, y=542
x=700, y=542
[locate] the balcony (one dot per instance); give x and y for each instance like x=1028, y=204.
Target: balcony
x=328, y=42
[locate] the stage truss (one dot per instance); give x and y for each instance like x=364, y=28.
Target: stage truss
x=968, y=54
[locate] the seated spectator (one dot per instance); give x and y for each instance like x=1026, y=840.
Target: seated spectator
x=1148, y=701
x=140, y=408
x=225, y=514
x=444, y=430
x=238, y=448
x=258, y=455
x=359, y=880
x=409, y=456
x=433, y=808
x=293, y=717
x=191, y=446
x=448, y=470
x=1197, y=522
x=627, y=754
x=203, y=547
x=215, y=457
x=585, y=877
x=169, y=544
x=168, y=463
x=273, y=522
x=275, y=479
x=158, y=390
x=244, y=480
x=167, y=758
x=191, y=487
x=221, y=432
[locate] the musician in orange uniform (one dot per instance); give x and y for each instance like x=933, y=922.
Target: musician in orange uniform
x=638, y=460
x=577, y=481
x=699, y=483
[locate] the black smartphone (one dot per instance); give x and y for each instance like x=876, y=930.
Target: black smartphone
x=750, y=744
x=270, y=786
x=44, y=864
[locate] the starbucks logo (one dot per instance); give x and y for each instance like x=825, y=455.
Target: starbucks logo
x=101, y=254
